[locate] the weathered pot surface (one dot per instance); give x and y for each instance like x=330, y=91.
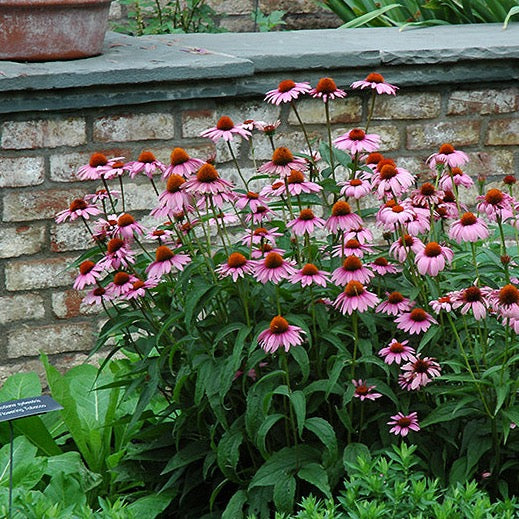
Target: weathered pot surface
x=42, y=30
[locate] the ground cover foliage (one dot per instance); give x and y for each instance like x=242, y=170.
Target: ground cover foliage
x=332, y=305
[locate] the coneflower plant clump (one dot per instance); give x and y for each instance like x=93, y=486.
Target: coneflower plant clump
x=330, y=302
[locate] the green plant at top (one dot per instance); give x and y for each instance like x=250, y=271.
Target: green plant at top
x=420, y=13
x=268, y=22
x=392, y=485
x=283, y=335
x=173, y=16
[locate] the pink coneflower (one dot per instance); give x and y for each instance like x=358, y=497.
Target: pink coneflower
x=402, y=424
x=140, y=287
x=267, y=128
x=181, y=164
x=282, y=163
x=355, y=188
x=395, y=304
x=222, y=218
x=351, y=247
x=421, y=221
x=121, y=284
x=128, y=227
x=117, y=254
x=415, y=322
x=262, y=214
x=506, y=301
x=146, y=163
x=226, y=130
x=418, y=373
x=356, y=141
x=207, y=182
x=376, y=82
x=162, y=236
x=101, y=195
x=306, y=222
x=251, y=200
x=97, y=166
x=260, y=235
x=326, y=89
x=310, y=275
x=397, y=352
x=280, y=333
x=362, y=234
x=442, y=303
x=427, y=195
x=472, y=298
x=459, y=178
x=264, y=249
x=433, y=258
x=401, y=248
x=236, y=266
x=392, y=215
x=355, y=298
x=469, y=228
x=391, y=179
x=105, y=227
x=382, y=267
x=78, y=208
x=273, y=268
x=165, y=260
x=351, y=269
x=297, y=184
x=277, y=188
x=447, y=155
x=89, y=273
x=117, y=169
x=287, y=91
x=343, y=218
x=496, y=204
x=97, y=296
x=363, y=391
x=173, y=199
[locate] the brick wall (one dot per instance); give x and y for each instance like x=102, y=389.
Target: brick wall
x=235, y=15
x=40, y=153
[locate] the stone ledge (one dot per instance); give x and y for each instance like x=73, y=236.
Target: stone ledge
x=187, y=66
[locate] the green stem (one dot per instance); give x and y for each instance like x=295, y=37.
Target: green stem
x=231, y=151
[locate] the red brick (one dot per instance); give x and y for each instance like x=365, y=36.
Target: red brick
x=426, y=136
x=20, y=240
x=21, y=171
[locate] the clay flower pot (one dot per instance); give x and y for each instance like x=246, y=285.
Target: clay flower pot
x=40, y=30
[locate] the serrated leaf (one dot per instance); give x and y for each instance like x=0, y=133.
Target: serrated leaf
x=317, y=476
x=353, y=452
x=325, y=433
x=228, y=450
x=284, y=493
x=298, y=400
x=234, y=508
x=301, y=357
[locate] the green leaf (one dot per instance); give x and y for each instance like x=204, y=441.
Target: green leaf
x=353, y=452
x=150, y=506
x=447, y=412
x=264, y=429
x=193, y=300
x=228, y=450
x=325, y=433
x=234, y=508
x=513, y=11
x=298, y=400
x=192, y=452
x=317, y=476
x=284, y=493
x=368, y=17
x=301, y=357
x=27, y=468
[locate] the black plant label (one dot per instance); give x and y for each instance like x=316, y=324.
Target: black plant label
x=15, y=409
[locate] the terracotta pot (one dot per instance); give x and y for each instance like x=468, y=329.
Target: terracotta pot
x=41, y=30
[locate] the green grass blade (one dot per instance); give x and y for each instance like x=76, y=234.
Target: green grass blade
x=368, y=17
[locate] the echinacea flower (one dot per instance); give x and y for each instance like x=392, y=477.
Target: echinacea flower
x=415, y=322
x=268, y=129
x=343, y=218
x=118, y=253
x=506, y=301
x=355, y=188
x=280, y=334
x=405, y=244
x=282, y=163
x=376, y=82
x=89, y=273
x=472, y=298
x=426, y=196
x=273, y=268
x=225, y=129
x=297, y=184
x=355, y=298
x=363, y=391
x=395, y=304
x=261, y=235
x=236, y=266
x=262, y=213
x=78, y=208
x=350, y=270
x=393, y=216
x=121, y=284
x=146, y=163
x=97, y=296
x=326, y=89
x=391, y=179
x=469, y=228
x=305, y=223
x=432, y=258
x=402, y=424
x=419, y=372
x=496, y=204
x=287, y=91
x=207, y=181
x=458, y=177
x=251, y=200
x=356, y=141
x=351, y=247
x=181, y=164
x=96, y=168
x=397, y=352
x=173, y=199
x=382, y=267
x=128, y=227
x=448, y=156
x=139, y=287
x=165, y=260
x=310, y=275
x=442, y=303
